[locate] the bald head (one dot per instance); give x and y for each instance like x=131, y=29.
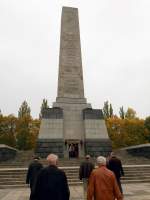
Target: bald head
x=52, y=159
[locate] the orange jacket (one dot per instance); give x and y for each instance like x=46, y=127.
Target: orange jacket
x=103, y=185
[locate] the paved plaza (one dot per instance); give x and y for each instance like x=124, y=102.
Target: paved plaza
x=140, y=191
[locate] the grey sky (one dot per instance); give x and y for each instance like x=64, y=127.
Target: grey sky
x=115, y=39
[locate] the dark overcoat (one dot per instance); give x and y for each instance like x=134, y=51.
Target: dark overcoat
x=51, y=184
x=115, y=165
x=32, y=173
x=85, y=170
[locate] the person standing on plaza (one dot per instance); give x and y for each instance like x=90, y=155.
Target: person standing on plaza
x=51, y=182
x=102, y=183
x=115, y=165
x=33, y=171
x=85, y=170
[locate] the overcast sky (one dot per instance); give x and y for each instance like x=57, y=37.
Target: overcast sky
x=115, y=42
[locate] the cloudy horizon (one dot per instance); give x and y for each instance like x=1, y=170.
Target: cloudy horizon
x=115, y=43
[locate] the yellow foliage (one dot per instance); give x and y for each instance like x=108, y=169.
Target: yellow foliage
x=126, y=132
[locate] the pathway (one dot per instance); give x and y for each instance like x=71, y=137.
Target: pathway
x=138, y=191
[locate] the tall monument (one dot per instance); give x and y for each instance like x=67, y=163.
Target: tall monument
x=71, y=125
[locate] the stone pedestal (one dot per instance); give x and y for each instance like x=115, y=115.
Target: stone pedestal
x=51, y=139
x=98, y=147
x=97, y=141
x=47, y=146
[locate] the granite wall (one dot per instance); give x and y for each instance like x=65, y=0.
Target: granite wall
x=7, y=153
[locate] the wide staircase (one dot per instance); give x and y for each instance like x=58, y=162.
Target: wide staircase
x=13, y=174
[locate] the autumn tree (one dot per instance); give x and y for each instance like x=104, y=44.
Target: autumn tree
x=23, y=133
x=126, y=132
x=147, y=123
x=24, y=110
x=1, y=113
x=107, y=110
x=135, y=131
x=121, y=112
x=8, y=130
x=27, y=132
x=43, y=106
x=24, y=138
x=110, y=111
x=34, y=131
x=130, y=114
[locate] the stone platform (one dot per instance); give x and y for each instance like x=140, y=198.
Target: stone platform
x=131, y=192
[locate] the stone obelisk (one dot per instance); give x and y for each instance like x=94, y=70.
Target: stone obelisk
x=70, y=79
x=72, y=121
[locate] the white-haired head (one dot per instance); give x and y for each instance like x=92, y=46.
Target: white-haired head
x=52, y=159
x=101, y=160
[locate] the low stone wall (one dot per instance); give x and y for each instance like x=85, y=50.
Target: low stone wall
x=7, y=153
x=142, y=150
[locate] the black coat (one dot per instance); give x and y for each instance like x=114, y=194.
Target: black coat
x=51, y=184
x=85, y=170
x=33, y=171
x=115, y=165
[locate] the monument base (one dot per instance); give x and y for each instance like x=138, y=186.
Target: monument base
x=98, y=147
x=47, y=146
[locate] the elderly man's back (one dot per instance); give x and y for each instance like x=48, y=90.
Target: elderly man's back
x=51, y=182
x=103, y=185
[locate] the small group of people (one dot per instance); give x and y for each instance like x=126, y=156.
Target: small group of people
x=102, y=183
x=73, y=150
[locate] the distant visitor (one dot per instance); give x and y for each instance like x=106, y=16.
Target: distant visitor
x=85, y=170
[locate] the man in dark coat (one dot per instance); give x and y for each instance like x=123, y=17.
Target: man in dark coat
x=85, y=170
x=51, y=182
x=115, y=165
x=33, y=172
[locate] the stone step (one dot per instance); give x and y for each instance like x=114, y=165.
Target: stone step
x=23, y=174
x=71, y=184
x=17, y=176
x=25, y=186
x=69, y=178
x=135, y=178
x=13, y=186
x=6, y=186
x=136, y=181
x=5, y=173
x=44, y=162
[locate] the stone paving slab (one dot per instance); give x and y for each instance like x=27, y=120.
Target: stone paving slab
x=140, y=191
